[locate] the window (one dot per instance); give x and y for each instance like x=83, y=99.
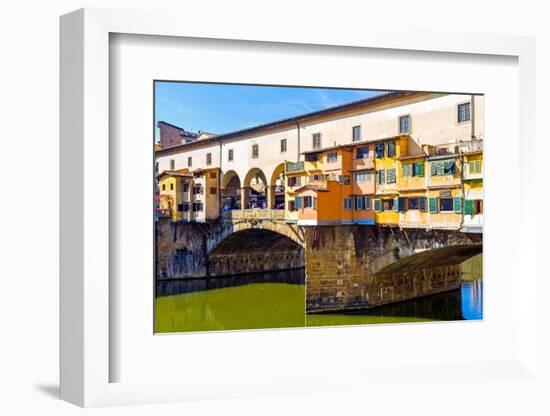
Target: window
x=478, y=206
x=332, y=157
x=164, y=187
x=172, y=164
x=156, y=166
x=356, y=133
x=185, y=207
x=189, y=161
x=180, y=207
x=433, y=205
x=185, y=187
x=344, y=179
x=308, y=202
x=298, y=202
x=464, y=114
x=413, y=169
x=347, y=203
x=212, y=175
x=422, y=203
x=401, y=204
x=213, y=191
x=362, y=202
x=362, y=177
x=362, y=152
x=291, y=205
x=474, y=166
x=390, y=175
x=171, y=186
x=197, y=206
x=391, y=148
x=407, y=170
x=380, y=177
x=283, y=145
x=457, y=204
x=443, y=167
x=387, y=204
x=197, y=190
x=378, y=205
x=418, y=169
x=209, y=158
x=316, y=139
x=414, y=203
x=230, y=155
x=446, y=204
x=379, y=150
x=294, y=181
x=255, y=151
x=405, y=124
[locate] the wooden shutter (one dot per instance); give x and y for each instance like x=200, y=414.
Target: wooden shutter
x=469, y=207
x=457, y=204
x=378, y=205
x=396, y=204
x=419, y=169
x=422, y=203
x=433, y=205
x=298, y=202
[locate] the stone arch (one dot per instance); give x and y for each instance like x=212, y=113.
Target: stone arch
x=253, y=249
x=231, y=191
x=276, y=189
x=254, y=189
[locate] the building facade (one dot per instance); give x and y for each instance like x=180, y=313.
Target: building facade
x=403, y=159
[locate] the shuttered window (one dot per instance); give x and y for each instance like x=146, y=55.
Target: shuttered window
x=316, y=140
x=418, y=169
x=433, y=205
x=422, y=203
x=442, y=167
x=380, y=177
x=298, y=202
x=172, y=164
x=474, y=166
x=457, y=204
x=189, y=161
x=390, y=175
x=407, y=170
x=390, y=148
x=469, y=207
x=378, y=205
x=283, y=145
x=362, y=177
x=405, y=124
x=379, y=150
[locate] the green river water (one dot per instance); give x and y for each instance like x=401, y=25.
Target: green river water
x=277, y=300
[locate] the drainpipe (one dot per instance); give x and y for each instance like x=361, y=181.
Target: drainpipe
x=473, y=116
x=298, y=129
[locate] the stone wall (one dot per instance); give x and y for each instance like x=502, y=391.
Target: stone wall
x=347, y=266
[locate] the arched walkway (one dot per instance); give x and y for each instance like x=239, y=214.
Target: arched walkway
x=254, y=189
x=276, y=190
x=231, y=191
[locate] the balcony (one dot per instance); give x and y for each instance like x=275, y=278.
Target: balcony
x=302, y=166
x=294, y=166
x=254, y=214
x=455, y=148
x=364, y=163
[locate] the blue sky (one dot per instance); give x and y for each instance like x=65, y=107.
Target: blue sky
x=222, y=108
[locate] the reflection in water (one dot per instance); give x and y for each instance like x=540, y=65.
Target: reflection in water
x=277, y=300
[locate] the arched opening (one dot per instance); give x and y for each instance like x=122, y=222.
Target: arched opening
x=254, y=191
x=255, y=250
x=231, y=191
x=276, y=195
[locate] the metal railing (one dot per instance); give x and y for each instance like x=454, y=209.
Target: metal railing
x=294, y=166
x=254, y=214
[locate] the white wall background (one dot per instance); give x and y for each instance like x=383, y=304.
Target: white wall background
x=29, y=208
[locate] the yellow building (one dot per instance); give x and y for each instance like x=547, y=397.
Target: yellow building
x=473, y=191
x=297, y=175
x=412, y=187
x=172, y=186
x=386, y=201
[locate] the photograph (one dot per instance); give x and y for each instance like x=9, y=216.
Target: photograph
x=294, y=206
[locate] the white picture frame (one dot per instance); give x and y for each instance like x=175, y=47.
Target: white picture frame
x=86, y=355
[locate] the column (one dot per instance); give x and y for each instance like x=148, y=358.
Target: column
x=245, y=193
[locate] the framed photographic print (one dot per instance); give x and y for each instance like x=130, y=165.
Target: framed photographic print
x=280, y=214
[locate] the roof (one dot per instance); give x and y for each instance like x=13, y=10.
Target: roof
x=355, y=144
x=293, y=120
x=311, y=187
x=182, y=173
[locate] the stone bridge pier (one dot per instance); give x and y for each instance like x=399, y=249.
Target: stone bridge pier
x=355, y=266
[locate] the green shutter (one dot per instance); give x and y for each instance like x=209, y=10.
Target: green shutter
x=419, y=169
x=433, y=205
x=457, y=204
x=396, y=204
x=469, y=207
x=378, y=205
x=298, y=202
x=422, y=203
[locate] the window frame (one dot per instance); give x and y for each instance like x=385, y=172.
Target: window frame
x=283, y=145
x=255, y=151
x=409, y=124
x=209, y=159
x=189, y=161
x=458, y=106
x=230, y=155
x=330, y=159
x=353, y=136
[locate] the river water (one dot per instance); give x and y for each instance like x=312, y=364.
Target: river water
x=277, y=300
